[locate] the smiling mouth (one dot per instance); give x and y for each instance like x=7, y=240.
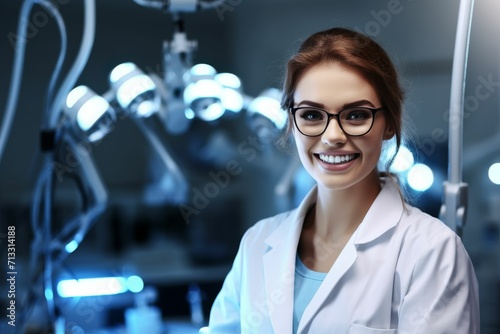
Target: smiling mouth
x=337, y=159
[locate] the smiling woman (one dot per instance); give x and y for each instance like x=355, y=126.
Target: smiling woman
x=353, y=257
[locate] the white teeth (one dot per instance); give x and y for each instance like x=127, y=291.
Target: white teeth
x=335, y=159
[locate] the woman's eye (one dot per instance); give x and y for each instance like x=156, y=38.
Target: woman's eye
x=311, y=115
x=358, y=115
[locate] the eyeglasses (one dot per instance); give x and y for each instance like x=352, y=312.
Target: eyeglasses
x=312, y=122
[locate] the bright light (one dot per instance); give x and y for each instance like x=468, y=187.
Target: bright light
x=76, y=94
x=204, y=88
x=146, y=108
x=49, y=294
x=420, y=177
x=71, y=246
x=129, y=90
x=212, y=112
x=189, y=113
x=232, y=100
x=91, y=111
x=90, y=114
x=204, y=98
x=404, y=159
x=120, y=71
x=202, y=70
x=228, y=80
x=100, y=286
x=135, y=284
x=494, y=173
x=135, y=91
x=270, y=108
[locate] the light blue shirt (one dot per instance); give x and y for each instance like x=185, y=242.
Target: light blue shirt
x=306, y=284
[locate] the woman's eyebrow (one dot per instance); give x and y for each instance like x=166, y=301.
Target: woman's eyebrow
x=345, y=106
x=357, y=104
x=311, y=103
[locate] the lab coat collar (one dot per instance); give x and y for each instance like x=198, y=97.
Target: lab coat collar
x=384, y=214
x=279, y=261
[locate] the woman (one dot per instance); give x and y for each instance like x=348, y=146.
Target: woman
x=353, y=257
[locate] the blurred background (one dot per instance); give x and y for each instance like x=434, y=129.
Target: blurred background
x=181, y=191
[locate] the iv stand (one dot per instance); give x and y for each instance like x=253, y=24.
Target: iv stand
x=454, y=209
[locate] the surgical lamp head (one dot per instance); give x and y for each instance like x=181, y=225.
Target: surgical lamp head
x=231, y=97
x=203, y=94
x=266, y=118
x=90, y=115
x=135, y=92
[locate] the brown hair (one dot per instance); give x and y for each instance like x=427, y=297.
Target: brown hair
x=356, y=51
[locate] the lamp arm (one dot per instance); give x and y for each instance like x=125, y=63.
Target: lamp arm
x=453, y=211
x=163, y=154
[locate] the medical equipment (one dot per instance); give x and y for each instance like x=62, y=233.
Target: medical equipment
x=75, y=119
x=454, y=209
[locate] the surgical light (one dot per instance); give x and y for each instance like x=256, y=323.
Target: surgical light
x=420, y=177
x=231, y=97
x=135, y=91
x=91, y=115
x=494, y=173
x=99, y=286
x=265, y=114
x=203, y=95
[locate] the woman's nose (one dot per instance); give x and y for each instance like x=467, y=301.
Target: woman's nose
x=333, y=134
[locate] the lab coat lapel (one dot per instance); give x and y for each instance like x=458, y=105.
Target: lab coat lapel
x=340, y=267
x=279, y=267
x=383, y=215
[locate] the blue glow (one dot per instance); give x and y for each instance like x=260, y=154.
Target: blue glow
x=189, y=113
x=494, y=173
x=420, y=177
x=49, y=294
x=99, y=286
x=135, y=284
x=404, y=159
x=71, y=246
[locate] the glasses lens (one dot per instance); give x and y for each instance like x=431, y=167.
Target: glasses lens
x=311, y=121
x=314, y=121
x=356, y=121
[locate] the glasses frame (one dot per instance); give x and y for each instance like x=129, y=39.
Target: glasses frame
x=293, y=111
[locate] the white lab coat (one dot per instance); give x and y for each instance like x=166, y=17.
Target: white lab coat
x=402, y=271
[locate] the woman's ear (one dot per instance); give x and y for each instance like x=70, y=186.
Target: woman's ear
x=389, y=133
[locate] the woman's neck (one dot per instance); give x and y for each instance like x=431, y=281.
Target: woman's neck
x=338, y=213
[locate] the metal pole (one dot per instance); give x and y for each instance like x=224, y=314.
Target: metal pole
x=453, y=211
